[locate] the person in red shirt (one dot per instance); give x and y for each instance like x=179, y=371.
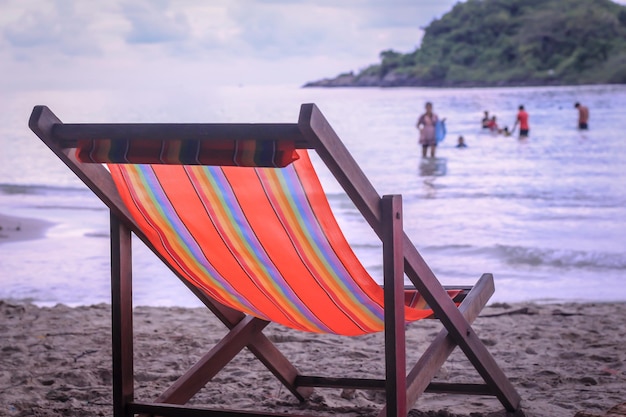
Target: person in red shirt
x=522, y=119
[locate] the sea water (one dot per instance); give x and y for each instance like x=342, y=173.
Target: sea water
x=545, y=215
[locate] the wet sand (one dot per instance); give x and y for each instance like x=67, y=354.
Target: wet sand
x=14, y=228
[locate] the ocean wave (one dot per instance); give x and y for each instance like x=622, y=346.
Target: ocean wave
x=364, y=246
x=547, y=199
x=98, y=234
x=518, y=256
x=561, y=258
x=37, y=189
x=72, y=207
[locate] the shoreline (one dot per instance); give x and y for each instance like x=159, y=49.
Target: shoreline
x=393, y=81
x=18, y=229
x=564, y=359
x=15, y=228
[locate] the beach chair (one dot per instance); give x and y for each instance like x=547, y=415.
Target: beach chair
x=237, y=212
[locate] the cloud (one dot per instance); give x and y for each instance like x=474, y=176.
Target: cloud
x=154, y=22
x=59, y=27
x=357, y=28
x=405, y=14
x=271, y=28
x=121, y=42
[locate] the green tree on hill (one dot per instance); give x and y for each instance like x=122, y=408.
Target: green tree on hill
x=512, y=42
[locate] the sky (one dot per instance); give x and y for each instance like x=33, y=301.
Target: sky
x=72, y=44
x=128, y=44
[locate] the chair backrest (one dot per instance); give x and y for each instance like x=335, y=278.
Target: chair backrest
x=261, y=240
x=312, y=131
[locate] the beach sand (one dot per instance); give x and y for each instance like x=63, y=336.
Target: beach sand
x=564, y=359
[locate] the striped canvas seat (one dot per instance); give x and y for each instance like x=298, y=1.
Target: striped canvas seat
x=261, y=240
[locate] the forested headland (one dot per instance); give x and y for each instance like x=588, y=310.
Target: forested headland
x=507, y=43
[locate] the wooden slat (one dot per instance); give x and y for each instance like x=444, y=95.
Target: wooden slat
x=68, y=134
x=373, y=384
x=393, y=276
x=452, y=388
x=121, y=316
x=171, y=410
x=332, y=382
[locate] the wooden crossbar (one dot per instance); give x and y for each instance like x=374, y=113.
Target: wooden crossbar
x=68, y=134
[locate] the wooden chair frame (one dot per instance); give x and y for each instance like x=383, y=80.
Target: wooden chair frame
x=384, y=215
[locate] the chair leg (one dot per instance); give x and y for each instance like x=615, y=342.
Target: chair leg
x=457, y=326
x=443, y=345
x=421, y=375
x=395, y=340
x=210, y=364
x=261, y=347
x=244, y=329
x=122, y=317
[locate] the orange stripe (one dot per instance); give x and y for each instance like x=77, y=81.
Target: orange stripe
x=280, y=249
